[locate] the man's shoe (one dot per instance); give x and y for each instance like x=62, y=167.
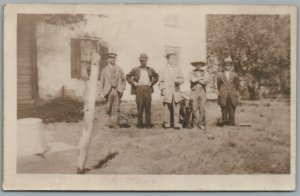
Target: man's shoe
x=231, y=124
x=226, y=123
x=195, y=128
x=115, y=127
x=177, y=126
x=202, y=127
x=220, y=124
x=139, y=124
x=110, y=125
x=166, y=126
x=148, y=126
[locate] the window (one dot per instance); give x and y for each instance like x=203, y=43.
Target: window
x=81, y=56
x=171, y=20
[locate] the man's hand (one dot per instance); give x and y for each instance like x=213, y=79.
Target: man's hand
x=101, y=96
x=203, y=81
x=178, y=80
x=200, y=80
x=134, y=83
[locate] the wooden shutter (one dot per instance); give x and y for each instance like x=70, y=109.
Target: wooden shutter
x=103, y=50
x=75, y=58
x=26, y=62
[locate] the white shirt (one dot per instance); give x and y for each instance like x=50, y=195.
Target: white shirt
x=172, y=69
x=227, y=73
x=112, y=67
x=144, y=77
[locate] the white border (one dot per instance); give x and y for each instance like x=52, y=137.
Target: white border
x=14, y=181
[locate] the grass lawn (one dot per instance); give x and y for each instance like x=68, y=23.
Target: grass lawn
x=262, y=148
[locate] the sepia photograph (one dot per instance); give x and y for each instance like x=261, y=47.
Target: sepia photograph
x=149, y=97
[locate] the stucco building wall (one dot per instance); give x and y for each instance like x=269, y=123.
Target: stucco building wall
x=128, y=35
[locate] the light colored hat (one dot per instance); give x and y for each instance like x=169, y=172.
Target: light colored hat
x=228, y=60
x=143, y=56
x=111, y=54
x=170, y=53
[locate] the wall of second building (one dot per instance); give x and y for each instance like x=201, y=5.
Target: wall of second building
x=128, y=35
x=54, y=62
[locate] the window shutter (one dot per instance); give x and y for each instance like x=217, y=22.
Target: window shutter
x=75, y=58
x=103, y=50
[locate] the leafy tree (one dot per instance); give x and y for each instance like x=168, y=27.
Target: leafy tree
x=259, y=46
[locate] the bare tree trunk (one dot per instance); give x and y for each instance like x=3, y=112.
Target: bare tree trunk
x=89, y=109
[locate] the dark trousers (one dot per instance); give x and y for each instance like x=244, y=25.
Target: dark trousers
x=228, y=112
x=143, y=103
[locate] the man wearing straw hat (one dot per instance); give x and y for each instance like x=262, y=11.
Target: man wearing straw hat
x=142, y=80
x=112, y=85
x=198, y=79
x=228, y=86
x=170, y=79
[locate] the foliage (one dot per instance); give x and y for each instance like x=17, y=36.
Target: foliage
x=60, y=109
x=259, y=45
x=61, y=19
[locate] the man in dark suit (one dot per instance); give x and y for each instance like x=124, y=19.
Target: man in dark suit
x=112, y=85
x=228, y=85
x=142, y=80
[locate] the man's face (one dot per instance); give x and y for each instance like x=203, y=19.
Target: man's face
x=228, y=66
x=198, y=67
x=143, y=62
x=172, y=59
x=112, y=60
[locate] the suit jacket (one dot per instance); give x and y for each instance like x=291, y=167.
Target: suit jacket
x=228, y=88
x=134, y=76
x=169, y=83
x=105, y=78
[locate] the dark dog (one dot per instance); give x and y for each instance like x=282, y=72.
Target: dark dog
x=186, y=113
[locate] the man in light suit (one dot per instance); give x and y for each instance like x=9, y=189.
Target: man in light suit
x=198, y=79
x=228, y=85
x=112, y=85
x=142, y=80
x=170, y=79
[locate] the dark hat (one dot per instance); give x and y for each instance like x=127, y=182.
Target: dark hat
x=201, y=62
x=198, y=63
x=168, y=54
x=143, y=56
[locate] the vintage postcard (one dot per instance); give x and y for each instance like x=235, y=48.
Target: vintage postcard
x=151, y=97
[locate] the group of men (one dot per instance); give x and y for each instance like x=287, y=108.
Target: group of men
x=142, y=79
